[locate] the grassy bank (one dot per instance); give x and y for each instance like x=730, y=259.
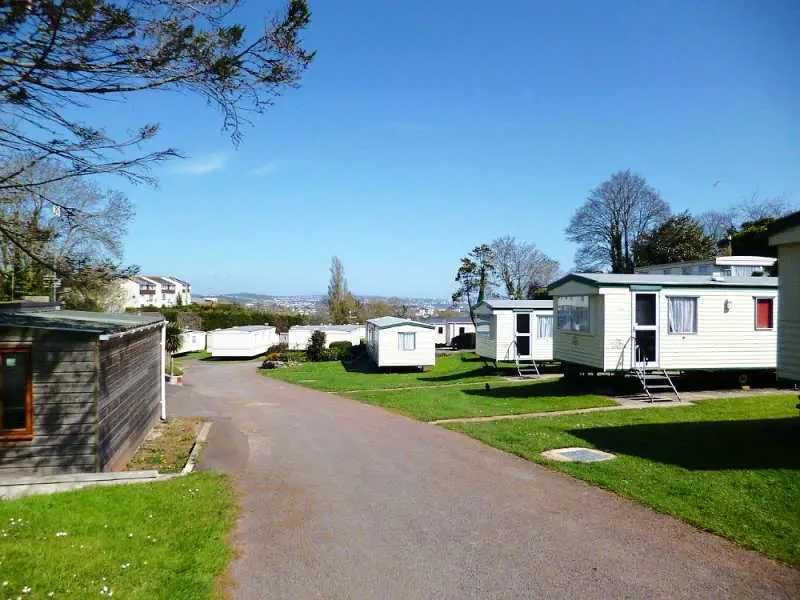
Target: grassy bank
x=728, y=466
x=165, y=540
x=432, y=403
x=336, y=376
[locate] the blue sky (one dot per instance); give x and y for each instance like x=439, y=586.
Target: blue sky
x=424, y=128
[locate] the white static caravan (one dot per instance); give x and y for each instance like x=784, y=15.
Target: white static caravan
x=299, y=335
x=785, y=234
x=722, y=266
x=514, y=330
x=446, y=328
x=395, y=342
x=617, y=322
x=192, y=341
x=241, y=342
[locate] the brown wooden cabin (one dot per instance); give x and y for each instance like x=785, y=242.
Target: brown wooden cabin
x=78, y=390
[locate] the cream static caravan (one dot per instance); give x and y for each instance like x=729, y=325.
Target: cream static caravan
x=395, y=342
x=619, y=322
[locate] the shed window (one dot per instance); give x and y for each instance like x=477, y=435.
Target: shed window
x=16, y=393
x=704, y=270
x=573, y=313
x=544, y=326
x=406, y=341
x=682, y=314
x=764, y=313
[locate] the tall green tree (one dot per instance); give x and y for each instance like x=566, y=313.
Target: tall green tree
x=752, y=239
x=616, y=214
x=679, y=238
x=61, y=58
x=474, y=277
x=173, y=342
x=343, y=307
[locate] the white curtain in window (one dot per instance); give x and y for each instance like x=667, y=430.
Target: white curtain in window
x=682, y=313
x=544, y=326
x=406, y=341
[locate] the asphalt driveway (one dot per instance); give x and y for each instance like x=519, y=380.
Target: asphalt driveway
x=346, y=500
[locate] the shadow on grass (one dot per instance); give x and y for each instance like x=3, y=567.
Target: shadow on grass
x=471, y=374
x=705, y=445
x=534, y=390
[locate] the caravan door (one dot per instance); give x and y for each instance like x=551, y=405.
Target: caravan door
x=645, y=329
x=522, y=335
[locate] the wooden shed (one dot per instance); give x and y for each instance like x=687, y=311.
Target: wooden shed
x=785, y=234
x=244, y=341
x=514, y=330
x=619, y=322
x=78, y=390
x=395, y=342
x=299, y=335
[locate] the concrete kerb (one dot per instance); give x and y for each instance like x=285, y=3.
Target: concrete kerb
x=17, y=487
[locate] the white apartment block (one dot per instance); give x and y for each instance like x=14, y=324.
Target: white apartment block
x=155, y=290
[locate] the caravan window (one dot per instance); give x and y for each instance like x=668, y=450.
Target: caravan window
x=764, y=313
x=406, y=341
x=573, y=313
x=682, y=314
x=544, y=326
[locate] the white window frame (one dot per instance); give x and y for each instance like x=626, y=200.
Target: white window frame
x=552, y=326
x=755, y=312
x=560, y=305
x=696, y=315
x=403, y=335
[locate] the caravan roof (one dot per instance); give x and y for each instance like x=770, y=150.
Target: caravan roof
x=655, y=279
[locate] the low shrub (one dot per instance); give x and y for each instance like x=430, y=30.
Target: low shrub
x=292, y=356
x=315, y=351
x=339, y=350
x=277, y=348
x=357, y=352
x=464, y=341
x=275, y=355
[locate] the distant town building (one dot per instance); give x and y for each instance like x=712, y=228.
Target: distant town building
x=155, y=290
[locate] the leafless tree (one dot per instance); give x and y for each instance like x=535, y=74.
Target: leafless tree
x=614, y=216
x=521, y=266
x=717, y=224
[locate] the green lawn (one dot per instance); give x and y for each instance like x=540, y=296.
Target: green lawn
x=431, y=403
x=165, y=540
x=334, y=376
x=729, y=466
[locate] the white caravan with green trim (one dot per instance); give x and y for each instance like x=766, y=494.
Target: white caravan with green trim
x=395, y=342
x=514, y=330
x=785, y=234
x=647, y=322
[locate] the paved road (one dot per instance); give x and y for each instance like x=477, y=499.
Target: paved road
x=345, y=500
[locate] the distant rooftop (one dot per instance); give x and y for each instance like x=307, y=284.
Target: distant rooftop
x=444, y=320
x=253, y=327
x=386, y=322
x=501, y=304
x=350, y=327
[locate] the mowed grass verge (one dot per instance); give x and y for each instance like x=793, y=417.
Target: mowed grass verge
x=335, y=376
x=729, y=466
x=432, y=403
x=165, y=540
